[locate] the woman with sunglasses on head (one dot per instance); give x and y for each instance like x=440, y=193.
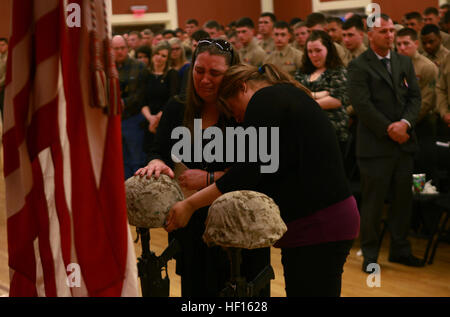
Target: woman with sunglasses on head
x=324, y=74
x=309, y=186
x=204, y=271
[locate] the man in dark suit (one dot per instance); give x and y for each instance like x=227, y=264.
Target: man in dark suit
x=386, y=96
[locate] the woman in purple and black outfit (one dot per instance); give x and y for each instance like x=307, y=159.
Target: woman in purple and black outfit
x=309, y=186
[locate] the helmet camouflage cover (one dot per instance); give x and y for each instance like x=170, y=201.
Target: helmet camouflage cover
x=149, y=200
x=244, y=219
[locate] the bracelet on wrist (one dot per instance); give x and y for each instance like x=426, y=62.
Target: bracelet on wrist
x=211, y=178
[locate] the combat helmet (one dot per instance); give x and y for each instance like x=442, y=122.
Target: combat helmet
x=244, y=219
x=149, y=200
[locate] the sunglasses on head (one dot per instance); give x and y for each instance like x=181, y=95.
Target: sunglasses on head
x=221, y=44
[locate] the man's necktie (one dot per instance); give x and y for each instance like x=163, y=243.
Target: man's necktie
x=387, y=64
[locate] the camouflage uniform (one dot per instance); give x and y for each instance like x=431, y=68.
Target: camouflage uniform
x=426, y=73
x=439, y=57
x=252, y=54
x=268, y=45
x=361, y=49
x=366, y=40
x=343, y=53
x=442, y=88
x=288, y=59
x=445, y=40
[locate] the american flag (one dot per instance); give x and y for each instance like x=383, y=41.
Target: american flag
x=68, y=233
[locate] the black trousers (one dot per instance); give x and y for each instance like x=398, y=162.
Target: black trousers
x=425, y=159
x=383, y=178
x=315, y=270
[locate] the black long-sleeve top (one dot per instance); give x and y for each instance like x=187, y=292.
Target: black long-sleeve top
x=311, y=175
x=160, y=89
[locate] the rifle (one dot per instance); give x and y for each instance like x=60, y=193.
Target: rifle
x=260, y=281
x=238, y=286
x=151, y=266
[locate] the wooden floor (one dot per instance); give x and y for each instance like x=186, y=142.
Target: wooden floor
x=396, y=279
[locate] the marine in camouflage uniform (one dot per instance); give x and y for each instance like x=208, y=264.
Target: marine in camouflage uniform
x=268, y=45
x=438, y=57
x=284, y=56
x=252, y=54
x=427, y=73
x=288, y=59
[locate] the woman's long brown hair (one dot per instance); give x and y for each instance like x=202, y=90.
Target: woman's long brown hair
x=268, y=73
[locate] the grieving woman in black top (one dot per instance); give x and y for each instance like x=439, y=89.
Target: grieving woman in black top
x=204, y=271
x=309, y=185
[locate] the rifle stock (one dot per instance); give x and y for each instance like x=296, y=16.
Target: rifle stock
x=260, y=281
x=150, y=267
x=238, y=286
x=169, y=253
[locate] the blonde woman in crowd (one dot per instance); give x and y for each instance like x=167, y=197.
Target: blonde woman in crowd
x=178, y=59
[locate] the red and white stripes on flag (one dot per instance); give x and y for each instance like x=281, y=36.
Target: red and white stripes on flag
x=65, y=195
